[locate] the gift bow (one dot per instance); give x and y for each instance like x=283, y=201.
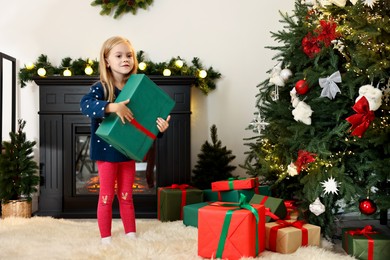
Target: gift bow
x=329, y=86
x=180, y=186
x=363, y=117
x=242, y=204
x=282, y=224
x=366, y=230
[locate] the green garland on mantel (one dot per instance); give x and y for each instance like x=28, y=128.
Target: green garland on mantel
x=205, y=78
x=121, y=6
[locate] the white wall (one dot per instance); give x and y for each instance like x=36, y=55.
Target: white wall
x=228, y=35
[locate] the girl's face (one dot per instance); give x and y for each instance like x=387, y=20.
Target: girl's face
x=120, y=60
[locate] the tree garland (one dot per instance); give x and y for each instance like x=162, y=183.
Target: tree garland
x=205, y=78
x=121, y=6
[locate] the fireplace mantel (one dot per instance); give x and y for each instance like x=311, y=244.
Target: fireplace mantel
x=59, y=115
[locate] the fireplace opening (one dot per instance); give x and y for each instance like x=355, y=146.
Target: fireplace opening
x=86, y=179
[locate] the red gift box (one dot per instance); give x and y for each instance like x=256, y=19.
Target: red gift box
x=235, y=184
x=231, y=230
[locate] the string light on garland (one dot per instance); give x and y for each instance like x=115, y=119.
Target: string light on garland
x=202, y=74
x=41, y=72
x=179, y=63
x=142, y=66
x=88, y=70
x=30, y=66
x=67, y=72
x=167, y=72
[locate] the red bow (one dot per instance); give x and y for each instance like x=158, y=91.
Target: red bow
x=304, y=158
x=179, y=186
x=363, y=117
x=366, y=230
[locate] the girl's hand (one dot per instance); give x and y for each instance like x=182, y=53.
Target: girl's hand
x=121, y=110
x=162, y=124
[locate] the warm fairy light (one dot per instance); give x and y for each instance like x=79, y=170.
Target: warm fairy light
x=142, y=65
x=88, y=70
x=67, y=73
x=167, y=72
x=179, y=63
x=41, y=72
x=202, y=74
x=30, y=65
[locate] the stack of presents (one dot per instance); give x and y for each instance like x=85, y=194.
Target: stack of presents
x=239, y=218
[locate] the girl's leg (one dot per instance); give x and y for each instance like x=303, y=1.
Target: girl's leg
x=107, y=175
x=126, y=174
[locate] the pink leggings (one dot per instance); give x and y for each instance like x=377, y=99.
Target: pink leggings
x=122, y=174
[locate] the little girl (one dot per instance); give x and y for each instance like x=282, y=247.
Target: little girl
x=117, y=62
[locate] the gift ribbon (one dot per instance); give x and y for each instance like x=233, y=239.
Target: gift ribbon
x=365, y=232
x=363, y=117
x=242, y=204
x=283, y=224
x=144, y=130
x=329, y=86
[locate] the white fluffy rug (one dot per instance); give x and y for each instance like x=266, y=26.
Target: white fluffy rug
x=49, y=238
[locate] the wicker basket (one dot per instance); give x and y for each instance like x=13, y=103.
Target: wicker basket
x=16, y=208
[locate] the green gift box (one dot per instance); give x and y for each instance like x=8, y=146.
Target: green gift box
x=190, y=213
x=264, y=190
x=276, y=206
x=171, y=201
x=227, y=196
x=366, y=243
x=147, y=102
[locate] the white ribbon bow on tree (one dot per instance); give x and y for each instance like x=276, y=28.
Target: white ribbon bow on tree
x=329, y=86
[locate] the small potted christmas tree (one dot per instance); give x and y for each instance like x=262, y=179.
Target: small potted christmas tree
x=18, y=174
x=214, y=163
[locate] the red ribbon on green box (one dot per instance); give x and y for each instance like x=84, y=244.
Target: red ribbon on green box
x=365, y=232
x=242, y=204
x=283, y=224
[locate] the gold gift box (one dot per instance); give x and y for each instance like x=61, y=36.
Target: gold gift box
x=289, y=239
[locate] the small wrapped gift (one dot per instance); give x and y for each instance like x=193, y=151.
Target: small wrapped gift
x=366, y=243
x=227, y=196
x=286, y=236
x=148, y=102
x=231, y=230
x=275, y=207
x=190, y=213
x=235, y=184
x=172, y=199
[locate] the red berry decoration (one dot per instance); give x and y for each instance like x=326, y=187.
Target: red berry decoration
x=367, y=206
x=301, y=87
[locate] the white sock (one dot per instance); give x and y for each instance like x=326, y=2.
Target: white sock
x=106, y=240
x=131, y=235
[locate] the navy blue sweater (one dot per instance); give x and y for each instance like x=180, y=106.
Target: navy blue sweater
x=93, y=105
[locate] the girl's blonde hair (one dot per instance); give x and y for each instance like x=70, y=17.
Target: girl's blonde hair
x=106, y=76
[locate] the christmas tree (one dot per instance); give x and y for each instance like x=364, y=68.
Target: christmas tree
x=213, y=162
x=18, y=170
x=323, y=135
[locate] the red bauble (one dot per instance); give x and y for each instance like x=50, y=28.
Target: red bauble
x=367, y=206
x=301, y=87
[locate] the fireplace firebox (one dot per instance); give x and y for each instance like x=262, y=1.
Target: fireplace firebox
x=69, y=181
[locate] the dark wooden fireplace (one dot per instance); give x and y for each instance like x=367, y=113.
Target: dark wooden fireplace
x=64, y=160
